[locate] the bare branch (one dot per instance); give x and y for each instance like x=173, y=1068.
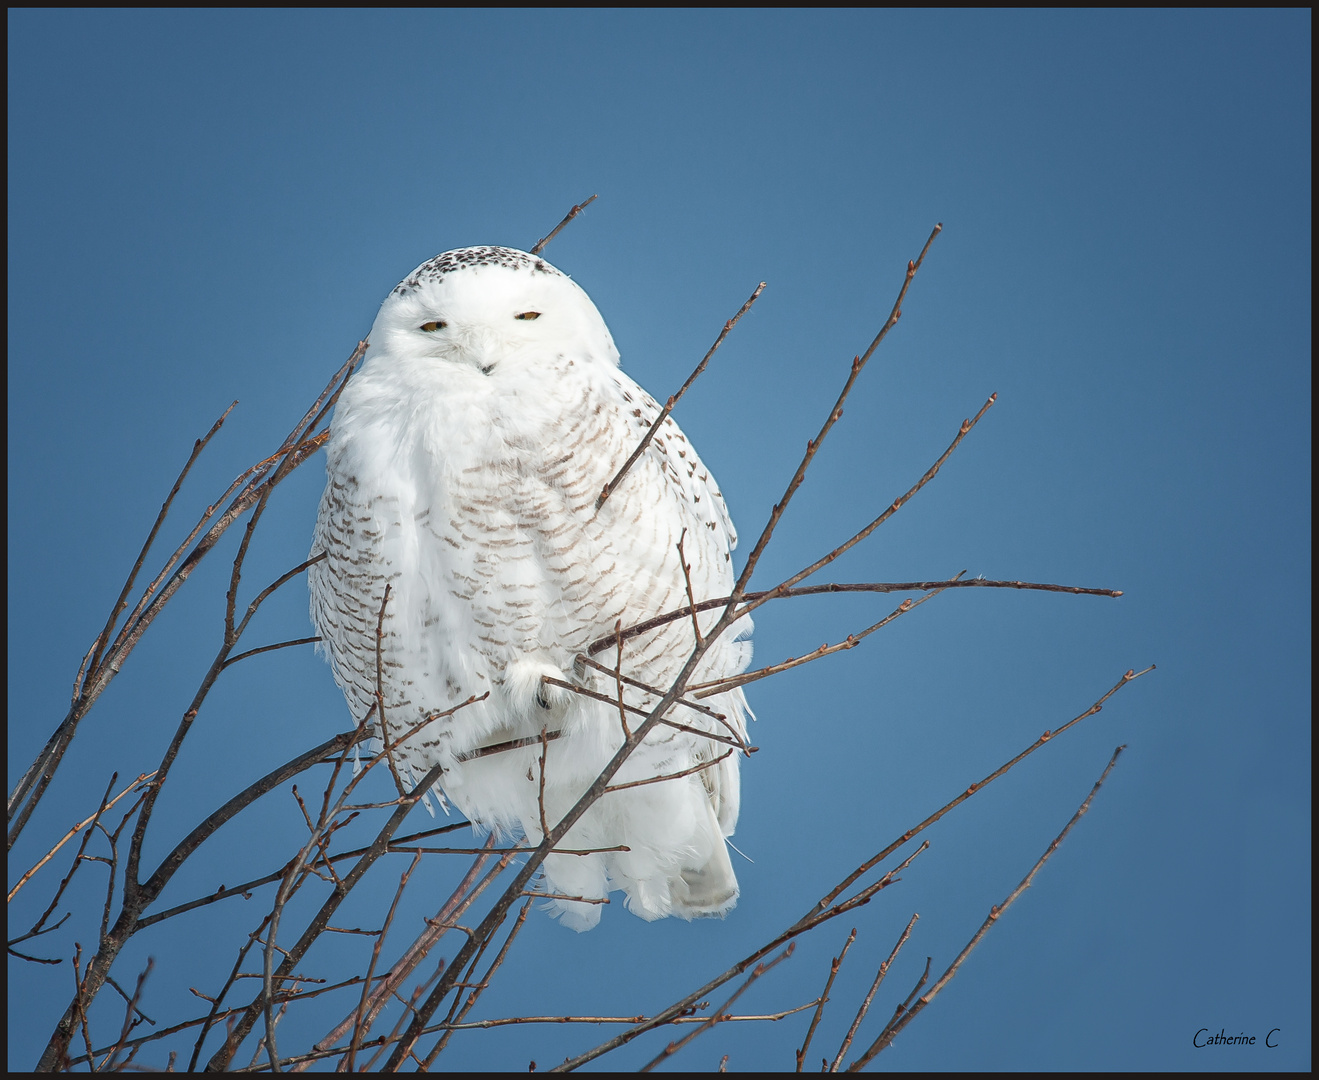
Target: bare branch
x=720, y=1013
x=540, y=791
x=658, y=422
x=892, y=509
x=679, y=1008
x=687, y=580
x=865, y=1004
x=378, y=848
x=835, y=414
x=824, y=998
x=584, y=692
x=134, y=786
x=477, y=990
x=104, y=636
x=780, y=593
x=543, y=242
x=904, y=1015
x=719, y=686
x=830, y=906
x=618, y=676
x=670, y=776
x=269, y=648
x=907, y=836
x=129, y=1023
x=360, y=1028
x=459, y=900
x=296, y=448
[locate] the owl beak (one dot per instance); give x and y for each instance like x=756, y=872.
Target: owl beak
x=480, y=346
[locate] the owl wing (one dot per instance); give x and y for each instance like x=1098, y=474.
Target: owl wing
x=702, y=505
x=671, y=449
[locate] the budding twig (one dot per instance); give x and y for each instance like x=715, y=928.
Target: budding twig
x=865, y=1005
x=824, y=998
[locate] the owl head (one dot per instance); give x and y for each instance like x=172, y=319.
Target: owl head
x=489, y=310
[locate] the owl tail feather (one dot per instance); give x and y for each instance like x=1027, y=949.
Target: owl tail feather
x=710, y=889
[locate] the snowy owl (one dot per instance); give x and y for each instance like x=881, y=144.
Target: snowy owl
x=464, y=466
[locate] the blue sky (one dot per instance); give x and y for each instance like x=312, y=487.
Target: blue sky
x=210, y=206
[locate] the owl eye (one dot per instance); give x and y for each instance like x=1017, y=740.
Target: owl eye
x=528, y=315
x=431, y=327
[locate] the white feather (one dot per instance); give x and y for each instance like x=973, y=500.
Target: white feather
x=463, y=468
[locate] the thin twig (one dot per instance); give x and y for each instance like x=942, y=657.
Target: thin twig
x=612, y=486
x=584, y=692
x=269, y=648
x=1048, y=736
x=618, y=676
x=134, y=786
x=670, y=776
x=906, y=1015
x=691, y=598
x=874, y=986
x=477, y=990
x=380, y=694
x=459, y=900
x=780, y=593
x=507, y=1021
x=540, y=793
x=360, y=1030
x=720, y=686
x=720, y=1012
x=129, y=1023
x=824, y=998
x=30, y=789
x=543, y=242
x=314, y=929
x=835, y=414
x=122, y=601
x=892, y=509
x=804, y=925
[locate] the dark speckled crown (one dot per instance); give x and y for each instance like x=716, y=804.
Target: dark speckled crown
x=450, y=262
